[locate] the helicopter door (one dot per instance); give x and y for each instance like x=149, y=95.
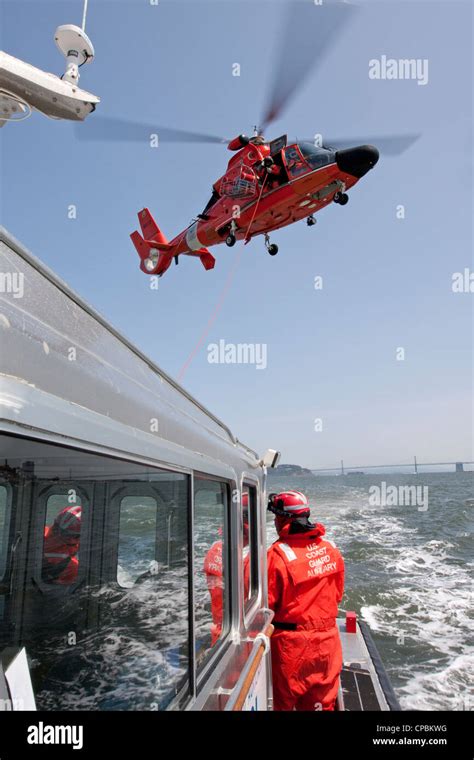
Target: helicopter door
x=277, y=145
x=294, y=162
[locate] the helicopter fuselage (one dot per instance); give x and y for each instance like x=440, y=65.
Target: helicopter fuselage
x=253, y=199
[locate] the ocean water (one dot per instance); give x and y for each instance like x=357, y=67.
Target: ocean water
x=409, y=574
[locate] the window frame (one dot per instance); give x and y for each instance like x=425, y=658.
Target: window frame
x=42, y=492
x=35, y=520
x=252, y=604
x=216, y=652
x=186, y=693
x=5, y=536
x=306, y=167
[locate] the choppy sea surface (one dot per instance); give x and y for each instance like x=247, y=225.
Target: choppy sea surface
x=409, y=574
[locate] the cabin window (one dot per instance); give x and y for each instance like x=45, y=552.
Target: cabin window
x=99, y=637
x=250, y=556
x=211, y=593
x=62, y=537
x=4, y=527
x=149, y=598
x=137, y=539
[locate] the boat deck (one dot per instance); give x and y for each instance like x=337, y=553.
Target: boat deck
x=365, y=685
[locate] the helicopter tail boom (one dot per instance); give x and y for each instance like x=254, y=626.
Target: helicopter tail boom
x=156, y=254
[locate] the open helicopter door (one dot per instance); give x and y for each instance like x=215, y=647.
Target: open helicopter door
x=278, y=144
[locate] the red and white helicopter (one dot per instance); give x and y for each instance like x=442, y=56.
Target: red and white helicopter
x=268, y=184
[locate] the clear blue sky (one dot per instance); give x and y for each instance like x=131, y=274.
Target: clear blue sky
x=387, y=282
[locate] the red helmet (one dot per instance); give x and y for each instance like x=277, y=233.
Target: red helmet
x=68, y=522
x=289, y=504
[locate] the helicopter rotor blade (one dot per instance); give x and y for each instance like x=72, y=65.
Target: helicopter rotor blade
x=309, y=30
x=109, y=129
x=390, y=145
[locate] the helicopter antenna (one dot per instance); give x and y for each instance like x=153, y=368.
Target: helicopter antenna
x=84, y=15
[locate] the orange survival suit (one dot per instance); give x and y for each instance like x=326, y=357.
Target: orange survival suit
x=214, y=574
x=305, y=586
x=60, y=547
x=215, y=584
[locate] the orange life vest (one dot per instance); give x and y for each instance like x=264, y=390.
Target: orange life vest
x=60, y=565
x=305, y=577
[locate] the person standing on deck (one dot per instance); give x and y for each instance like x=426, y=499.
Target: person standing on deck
x=305, y=586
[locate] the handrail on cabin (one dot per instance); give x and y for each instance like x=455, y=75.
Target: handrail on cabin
x=245, y=688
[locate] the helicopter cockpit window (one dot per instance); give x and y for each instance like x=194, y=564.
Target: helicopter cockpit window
x=295, y=164
x=316, y=157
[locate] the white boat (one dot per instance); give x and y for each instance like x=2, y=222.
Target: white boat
x=88, y=421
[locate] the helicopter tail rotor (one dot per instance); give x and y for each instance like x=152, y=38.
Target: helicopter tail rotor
x=152, y=246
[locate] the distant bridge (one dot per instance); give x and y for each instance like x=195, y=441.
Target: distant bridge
x=343, y=469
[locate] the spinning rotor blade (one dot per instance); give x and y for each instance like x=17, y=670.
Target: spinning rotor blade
x=113, y=130
x=309, y=30
x=391, y=145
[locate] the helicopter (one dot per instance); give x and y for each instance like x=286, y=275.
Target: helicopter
x=268, y=184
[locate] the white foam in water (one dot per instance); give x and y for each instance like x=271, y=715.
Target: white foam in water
x=432, y=609
x=447, y=689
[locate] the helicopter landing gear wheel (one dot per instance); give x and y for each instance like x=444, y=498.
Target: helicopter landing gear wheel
x=230, y=240
x=310, y=221
x=341, y=198
x=271, y=247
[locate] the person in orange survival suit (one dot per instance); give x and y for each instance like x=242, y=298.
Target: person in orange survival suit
x=305, y=586
x=214, y=575
x=254, y=153
x=60, y=547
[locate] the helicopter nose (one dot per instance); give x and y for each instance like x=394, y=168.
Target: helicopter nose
x=357, y=161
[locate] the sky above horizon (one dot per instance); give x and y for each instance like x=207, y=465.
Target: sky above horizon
x=332, y=387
